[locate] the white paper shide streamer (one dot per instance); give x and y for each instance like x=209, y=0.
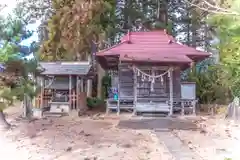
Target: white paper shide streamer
x=152, y=78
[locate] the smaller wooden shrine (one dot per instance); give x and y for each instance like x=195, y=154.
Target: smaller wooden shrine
x=63, y=86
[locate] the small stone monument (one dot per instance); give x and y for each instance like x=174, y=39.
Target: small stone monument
x=233, y=110
x=37, y=113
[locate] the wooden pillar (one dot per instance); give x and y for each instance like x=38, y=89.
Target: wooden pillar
x=134, y=90
x=107, y=103
x=89, y=88
x=34, y=88
x=118, y=88
x=194, y=103
x=42, y=92
x=81, y=85
x=77, y=91
x=107, y=107
x=182, y=108
x=82, y=104
x=70, y=91
x=170, y=75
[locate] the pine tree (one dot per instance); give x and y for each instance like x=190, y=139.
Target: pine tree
x=15, y=82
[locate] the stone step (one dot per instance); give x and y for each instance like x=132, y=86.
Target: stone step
x=178, y=150
x=154, y=114
x=54, y=114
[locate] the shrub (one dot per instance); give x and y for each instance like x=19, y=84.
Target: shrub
x=94, y=102
x=106, y=85
x=211, y=86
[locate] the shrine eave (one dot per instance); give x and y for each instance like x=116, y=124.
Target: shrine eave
x=112, y=61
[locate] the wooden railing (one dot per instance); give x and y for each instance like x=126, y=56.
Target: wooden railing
x=75, y=101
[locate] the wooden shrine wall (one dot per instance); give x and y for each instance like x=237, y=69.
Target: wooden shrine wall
x=161, y=89
x=75, y=96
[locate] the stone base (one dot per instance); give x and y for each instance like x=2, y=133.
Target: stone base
x=59, y=108
x=37, y=113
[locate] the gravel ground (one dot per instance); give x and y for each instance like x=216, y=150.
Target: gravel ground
x=100, y=137
x=71, y=137
x=216, y=140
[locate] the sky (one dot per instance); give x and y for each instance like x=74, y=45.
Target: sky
x=10, y=5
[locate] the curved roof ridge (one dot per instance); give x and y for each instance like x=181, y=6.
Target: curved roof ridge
x=127, y=37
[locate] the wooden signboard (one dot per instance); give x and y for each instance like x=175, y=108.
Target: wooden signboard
x=188, y=90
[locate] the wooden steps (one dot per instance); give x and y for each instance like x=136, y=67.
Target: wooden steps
x=154, y=114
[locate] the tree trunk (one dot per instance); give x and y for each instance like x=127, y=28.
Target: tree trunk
x=194, y=28
x=82, y=107
x=27, y=107
x=24, y=114
x=89, y=81
x=100, y=73
x=3, y=122
x=126, y=16
x=163, y=15
x=188, y=29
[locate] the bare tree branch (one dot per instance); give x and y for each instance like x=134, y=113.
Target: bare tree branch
x=214, y=6
x=2, y=7
x=207, y=6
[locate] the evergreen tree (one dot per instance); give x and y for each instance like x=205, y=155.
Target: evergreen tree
x=227, y=29
x=73, y=27
x=15, y=82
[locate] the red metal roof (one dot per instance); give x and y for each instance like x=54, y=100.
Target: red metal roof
x=153, y=45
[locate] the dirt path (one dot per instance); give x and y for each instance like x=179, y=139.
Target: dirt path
x=162, y=128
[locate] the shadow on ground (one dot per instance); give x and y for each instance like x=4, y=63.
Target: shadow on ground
x=158, y=124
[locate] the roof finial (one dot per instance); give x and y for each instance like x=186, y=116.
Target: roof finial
x=165, y=31
x=128, y=36
x=170, y=40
